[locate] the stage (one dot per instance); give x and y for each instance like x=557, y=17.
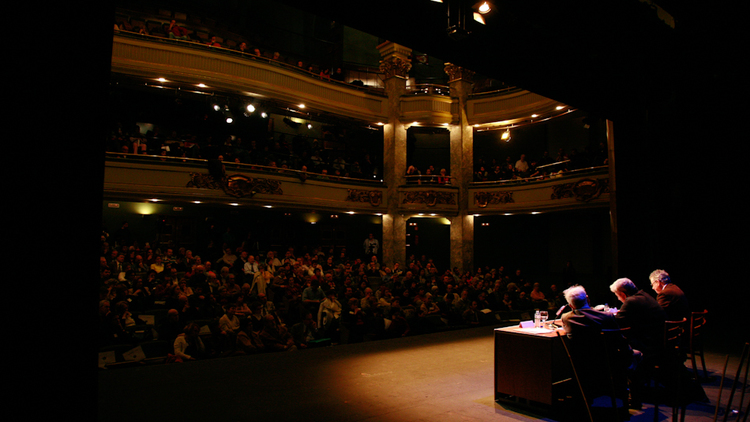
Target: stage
x=445, y=376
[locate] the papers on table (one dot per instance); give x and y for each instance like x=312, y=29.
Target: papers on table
x=533, y=330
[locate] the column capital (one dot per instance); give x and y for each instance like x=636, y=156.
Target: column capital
x=457, y=73
x=396, y=61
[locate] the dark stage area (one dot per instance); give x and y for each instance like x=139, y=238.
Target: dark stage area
x=444, y=376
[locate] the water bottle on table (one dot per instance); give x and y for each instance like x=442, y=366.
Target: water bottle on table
x=537, y=319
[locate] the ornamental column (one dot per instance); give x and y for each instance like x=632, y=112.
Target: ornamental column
x=462, y=168
x=395, y=67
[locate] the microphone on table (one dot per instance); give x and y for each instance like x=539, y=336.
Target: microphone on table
x=558, y=313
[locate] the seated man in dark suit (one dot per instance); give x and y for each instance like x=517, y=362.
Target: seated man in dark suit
x=670, y=297
x=582, y=320
x=642, y=314
x=583, y=325
x=593, y=354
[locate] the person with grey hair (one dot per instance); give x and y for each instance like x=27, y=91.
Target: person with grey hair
x=591, y=351
x=583, y=321
x=670, y=297
x=642, y=314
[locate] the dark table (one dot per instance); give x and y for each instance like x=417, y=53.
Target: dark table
x=531, y=368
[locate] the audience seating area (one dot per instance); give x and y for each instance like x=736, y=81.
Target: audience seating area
x=148, y=297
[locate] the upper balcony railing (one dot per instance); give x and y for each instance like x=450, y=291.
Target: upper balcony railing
x=233, y=71
x=142, y=177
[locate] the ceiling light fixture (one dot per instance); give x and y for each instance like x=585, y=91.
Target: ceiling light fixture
x=506, y=135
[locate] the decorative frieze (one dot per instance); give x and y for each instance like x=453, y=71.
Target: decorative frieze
x=374, y=197
x=583, y=190
x=429, y=198
x=236, y=185
x=482, y=199
x=203, y=181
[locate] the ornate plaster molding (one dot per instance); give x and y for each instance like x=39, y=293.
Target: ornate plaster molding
x=482, y=199
x=374, y=197
x=395, y=66
x=583, y=190
x=236, y=185
x=429, y=198
x=456, y=73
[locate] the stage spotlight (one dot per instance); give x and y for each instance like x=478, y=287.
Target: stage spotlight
x=484, y=8
x=216, y=107
x=263, y=115
x=250, y=108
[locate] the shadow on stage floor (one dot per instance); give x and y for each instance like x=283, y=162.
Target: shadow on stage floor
x=445, y=376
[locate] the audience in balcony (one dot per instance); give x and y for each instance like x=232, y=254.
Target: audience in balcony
x=177, y=32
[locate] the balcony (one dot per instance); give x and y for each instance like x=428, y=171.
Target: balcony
x=143, y=178
x=140, y=178
x=584, y=188
x=187, y=63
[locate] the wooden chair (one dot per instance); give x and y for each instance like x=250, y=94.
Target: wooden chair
x=744, y=359
x=695, y=344
x=669, y=370
x=599, y=372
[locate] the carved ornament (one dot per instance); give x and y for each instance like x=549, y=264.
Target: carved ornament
x=457, y=73
x=236, y=185
x=395, y=66
x=374, y=197
x=430, y=198
x=482, y=199
x=203, y=181
x=583, y=190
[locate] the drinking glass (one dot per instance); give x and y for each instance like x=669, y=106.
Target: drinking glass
x=543, y=317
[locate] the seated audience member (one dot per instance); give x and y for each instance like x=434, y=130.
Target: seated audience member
x=219, y=343
x=157, y=266
x=261, y=280
x=536, y=294
x=443, y=178
x=670, y=297
x=188, y=345
x=329, y=313
x=523, y=303
x=229, y=323
x=177, y=32
x=471, y=315
x=276, y=337
x=642, y=315
x=248, y=341
x=171, y=327
x=111, y=330
x=256, y=316
x=124, y=316
x=313, y=296
x=306, y=331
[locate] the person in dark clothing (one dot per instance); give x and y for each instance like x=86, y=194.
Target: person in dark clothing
x=669, y=296
x=643, y=316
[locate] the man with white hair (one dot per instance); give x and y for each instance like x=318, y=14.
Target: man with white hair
x=582, y=320
x=670, y=297
x=642, y=314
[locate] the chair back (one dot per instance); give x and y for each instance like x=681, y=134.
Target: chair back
x=673, y=332
x=697, y=321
